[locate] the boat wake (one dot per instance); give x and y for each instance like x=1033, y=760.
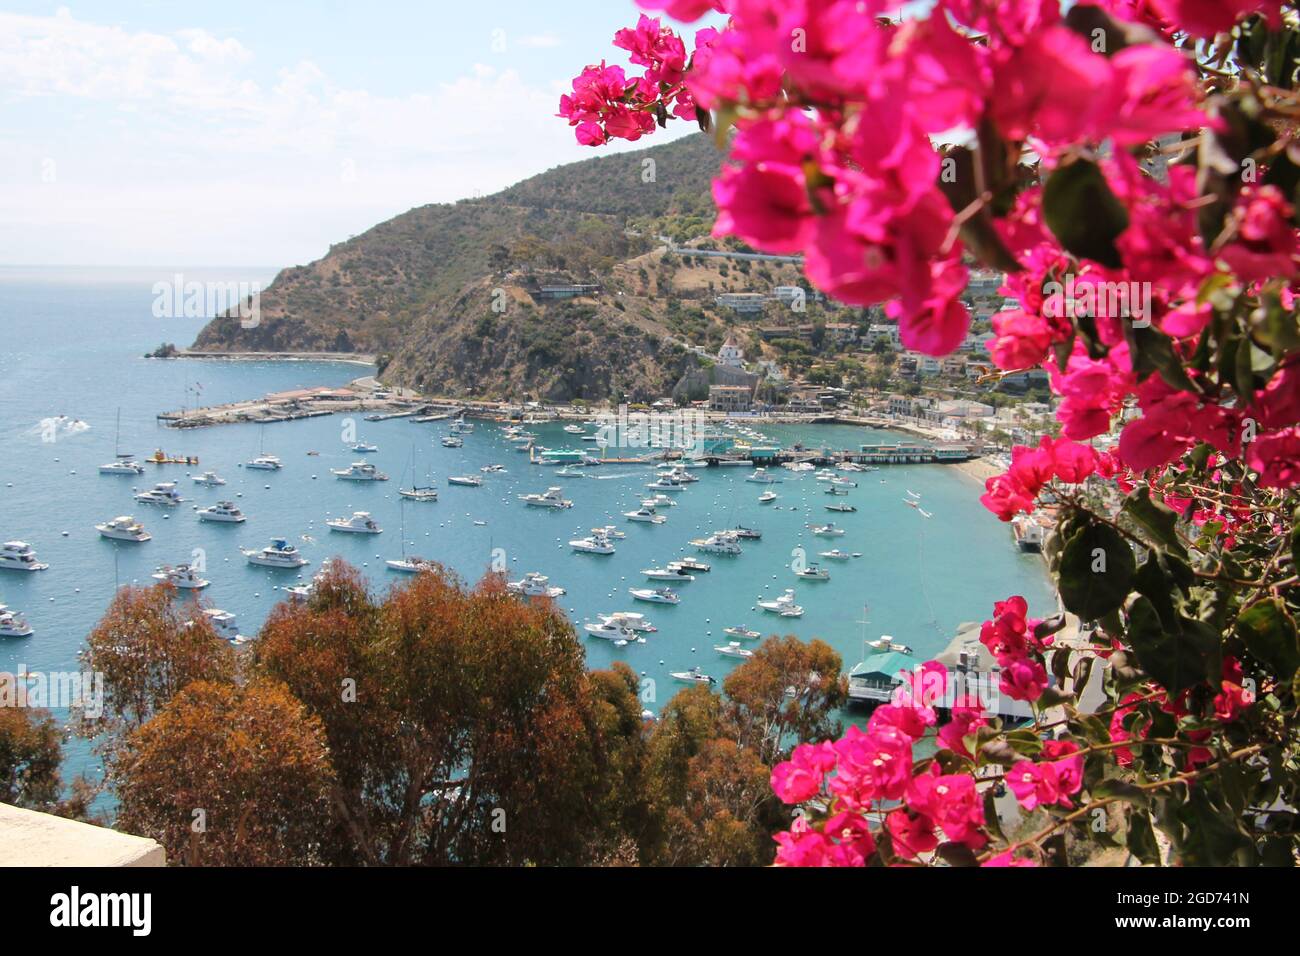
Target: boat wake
x=56, y=427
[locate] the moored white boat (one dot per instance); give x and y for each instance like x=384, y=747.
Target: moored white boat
x=631, y=620
x=359, y=471
x=209, y=479
x=124, y=466
x=361, y=522
x=783, y=605
x=465, y=481
x=13, y=624
x=828, y=530
x=364, y=448
x=224, y=511
x=124, y=528
x=597, y=543
x=608, y=630
x=814, y=572
x=655, y=595
x=693, y=676
x=535, y=584
x=164, y=493
x=835, y=554
x=733, y=649
x=646, y=513
x=181, y=576
x=694, y=565
x=278, y=554
x=745, y=632
x=411, y=565
x=669, y=573
x=19, y=556
x=265, y=463
x=551, y=498
x=718, y=544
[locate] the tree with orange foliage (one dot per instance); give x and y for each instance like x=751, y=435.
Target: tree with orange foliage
x=229, y=776
x=462, y=723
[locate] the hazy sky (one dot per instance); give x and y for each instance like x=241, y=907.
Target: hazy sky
x=149, y=132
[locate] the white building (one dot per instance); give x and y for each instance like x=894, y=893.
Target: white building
x=731, y=354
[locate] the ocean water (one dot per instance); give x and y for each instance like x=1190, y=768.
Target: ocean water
x=72, y=346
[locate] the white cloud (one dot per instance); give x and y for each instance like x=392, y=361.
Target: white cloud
x=151, y=148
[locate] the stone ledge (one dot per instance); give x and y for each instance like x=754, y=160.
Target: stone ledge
x=29, y=838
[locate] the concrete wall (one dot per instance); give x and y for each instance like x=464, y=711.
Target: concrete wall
x=28, y=838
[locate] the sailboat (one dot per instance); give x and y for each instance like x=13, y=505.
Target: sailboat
x=263, y=461
x=124, y=463
x=408, y=564
x=418, y=492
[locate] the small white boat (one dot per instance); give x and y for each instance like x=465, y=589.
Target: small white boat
x=814, y=573
x=784, y=605
x=733, y=649
x=573, y=429
x=742, y=533
x=630, y=620
x=182, y=576
x=164, y=493
x=841, y=508
x=655, y=596
x=767, y=497
x=664, y=485
x=224, y=624
x=493, y=469
x=222, y=511
x=570, y=471
x=418, y=494
x=364, y=448
x=761, y=476
x=551, y=498
x=662, y=501
x=669, y=573
x=360, y=523
x=746, y=633
x=123, y=466
x=885, y=644
x=12, y=624
x=692, y=676
x=265, y=463
x=278, y=554
x=19, y=556
x=691, y=564
x=534, y=584
x=828, y=530
x=718, y=544
x=598, y=543
x=124, y=528
x=209, y=479
x=465, y=481
x=359, y=471
x=453, y=441
x=646, y=513
x=835, y=555
x=411, y=565
x=844, y=482
x=462, y=427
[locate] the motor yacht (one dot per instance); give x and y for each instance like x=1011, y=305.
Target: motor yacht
x=784, y=605
x=462, y=427
x=693, y=676
x=655, y=595
x=364, y=448
x=767, y=497
x=551, y=498
x=124, y=466
x=631, y=620
x=814, y=572
x=828, y=530
x=611, y=531
x=164, y=493
x=360, y=523
x=265, y=463
x=745, y=632
x=733, y=649
x=574, y=429
x=225, y=511
x=19, y=556
x=835, y=554
x=453, y=441
x=692, y=565
x=886, y=644
x=411, y=565
x=844, y=482
x=493, y=469
x=646, y=513
x=609, y=631
x=124, y=528
x=664, y=485
x=209, y=479
x=825, y=474
x=465, y=481
x=718, y=544
x=842, y=508
x=743, y=533
x=534, y=584
x=359, y=471
x=836, y=490
x=182, y=576
x=663, y=501
x=668, y=574
x=597, y=543
x=278, y=554
x=761, y=476
x=224, y=624
x=12, y=624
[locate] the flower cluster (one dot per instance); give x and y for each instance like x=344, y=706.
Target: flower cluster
x=1031, y=469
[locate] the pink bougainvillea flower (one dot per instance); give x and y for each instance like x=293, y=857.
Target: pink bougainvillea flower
x=911, y=833
x=952, y=803
x=1276, y=457
x=800, y=778
x=684, y=10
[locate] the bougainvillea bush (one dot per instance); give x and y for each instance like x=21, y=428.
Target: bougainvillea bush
x=1133, y=169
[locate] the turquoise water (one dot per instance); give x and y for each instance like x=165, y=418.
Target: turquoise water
x=74, y=348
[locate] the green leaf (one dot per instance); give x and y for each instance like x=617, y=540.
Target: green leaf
x=1141, y=839
x=1176, y=660
x=1269, y=633
x=1157, y=519
x=1083, y=213
x=1096, y=574
x=1120, y=789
